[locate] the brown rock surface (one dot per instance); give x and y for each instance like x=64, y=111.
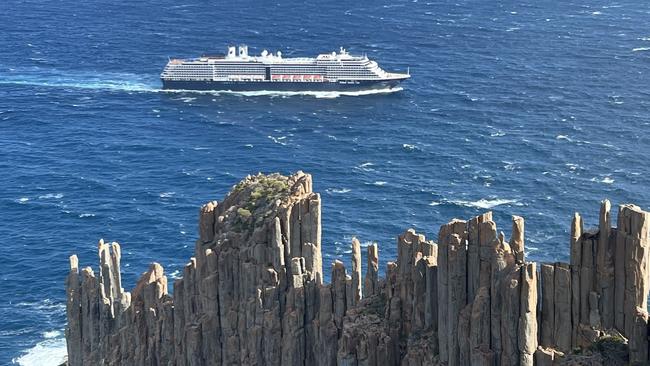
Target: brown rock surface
x=253, y=294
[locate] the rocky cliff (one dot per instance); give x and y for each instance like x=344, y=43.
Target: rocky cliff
x=253, y=294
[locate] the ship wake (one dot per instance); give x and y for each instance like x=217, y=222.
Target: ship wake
x=124, y=82
x=275, y=93
x=121, y=82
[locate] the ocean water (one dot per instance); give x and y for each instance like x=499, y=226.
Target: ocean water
x=537, y=109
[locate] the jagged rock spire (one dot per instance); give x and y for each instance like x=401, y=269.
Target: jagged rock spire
x=253, y=294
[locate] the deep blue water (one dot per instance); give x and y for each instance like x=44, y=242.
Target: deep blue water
x=530, y=108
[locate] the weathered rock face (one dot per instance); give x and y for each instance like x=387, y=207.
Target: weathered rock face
x=253, y=294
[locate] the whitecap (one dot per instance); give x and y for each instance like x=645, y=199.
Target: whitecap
x=175, y=275
x=46, y=305
x=249, y=146
x=379, y=183
x=86, y=215
x=49, y=352
x=434, y=203
x=509, y=165
x=497, y=134
x=572, y=166
x=409, y=147
x=278, y=140
x=485, y=203
x=563, y=137
x=641, y=49
x=166, y=194
x=596, y=13
x=22, y=200
x=51, y=334
x=51, y=195
x=605, y=180
x=338, y=190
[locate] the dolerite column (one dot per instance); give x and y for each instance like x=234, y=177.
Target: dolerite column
x=419, y=301
x=633, y=225
x=502, y=263
x=90, y=313
x=370, y=284
x=517, y=238
x=528, y=315
x=605, y=266
x=179, y=322
x=327, y=345
x=548, y=305
x=457, y=293
x=576, y=262
x=210, y=327
x=473, y=257
x=293, y=352
x=406, y=243
x=511, y=306
x=619, y=273
x=73, y=309
x=479, y=337
x=445, y=271
x=639, y=338
x=310, y=231
x=356, y=271
x=464, y=319
x=431, y=306
x=587, y=272
x=443, y=317
x=487, y=238
x=339, y=292
x=562, y=302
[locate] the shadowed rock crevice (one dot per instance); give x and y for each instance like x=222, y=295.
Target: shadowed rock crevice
x=253, y=294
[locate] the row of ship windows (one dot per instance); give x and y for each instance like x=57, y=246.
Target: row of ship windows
x=274, y=69
x=245, y=72
x=278, y=71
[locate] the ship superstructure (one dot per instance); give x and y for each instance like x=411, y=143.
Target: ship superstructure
x=239, y=71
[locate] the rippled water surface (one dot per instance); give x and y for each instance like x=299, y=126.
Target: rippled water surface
x=529, y=108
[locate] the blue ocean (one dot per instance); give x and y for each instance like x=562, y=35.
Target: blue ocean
x=538, y=109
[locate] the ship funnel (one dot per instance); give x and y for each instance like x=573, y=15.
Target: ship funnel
x=231, y=51
x=279, y=54
x=243, y=50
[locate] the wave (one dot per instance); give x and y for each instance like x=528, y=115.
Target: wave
x=337, y=190
x=481, y=203
x=641, y=49
x=273, y=93
x=51, y=195
x=485, y=203
x=366, y=167
x=605, y=180
x=79, y=80
x=49, y=352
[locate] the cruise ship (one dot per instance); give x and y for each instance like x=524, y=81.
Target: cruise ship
x=238, y=71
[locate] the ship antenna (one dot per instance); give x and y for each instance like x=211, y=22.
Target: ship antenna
x=408, y=70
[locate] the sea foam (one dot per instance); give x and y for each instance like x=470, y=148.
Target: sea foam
x=49, y=352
